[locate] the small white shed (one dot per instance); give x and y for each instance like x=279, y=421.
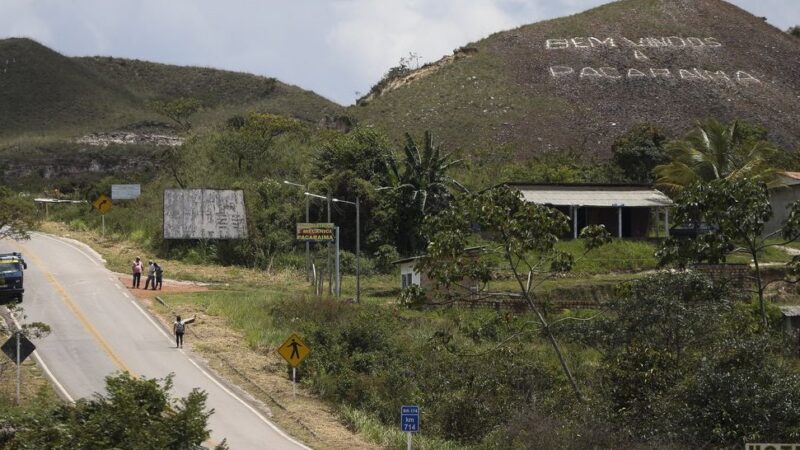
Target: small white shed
x=409, y=275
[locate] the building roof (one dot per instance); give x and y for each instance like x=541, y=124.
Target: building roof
x=790, y=310
x=612, y=195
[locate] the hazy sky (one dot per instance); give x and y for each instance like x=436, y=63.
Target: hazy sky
x=334, y=47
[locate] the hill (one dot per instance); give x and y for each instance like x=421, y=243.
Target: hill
x=43, y=92
x=579, y=82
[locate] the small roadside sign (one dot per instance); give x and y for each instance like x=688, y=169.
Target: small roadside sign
x=294, y=350
x=315, y=232
x=125, y=191
x=102, y=204
x=409, y=419
x=26, y=347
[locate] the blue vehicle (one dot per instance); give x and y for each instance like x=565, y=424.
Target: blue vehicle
x=11, y=276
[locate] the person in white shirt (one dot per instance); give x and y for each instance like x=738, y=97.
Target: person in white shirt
x=151, y=275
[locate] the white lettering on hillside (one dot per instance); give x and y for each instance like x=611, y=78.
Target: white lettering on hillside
x=613, y=73
x=642, y=48
x=644, y=42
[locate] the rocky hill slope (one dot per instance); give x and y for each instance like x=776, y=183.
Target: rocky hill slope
x=578, y=82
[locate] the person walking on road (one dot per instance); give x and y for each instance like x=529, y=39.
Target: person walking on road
x=136, y=268
x=179, y=327
x=159, y=277
x=151, y=275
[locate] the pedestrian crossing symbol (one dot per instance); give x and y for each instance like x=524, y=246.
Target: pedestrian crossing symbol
x=294, y=350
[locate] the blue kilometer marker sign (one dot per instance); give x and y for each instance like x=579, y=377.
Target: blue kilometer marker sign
x=409, y=419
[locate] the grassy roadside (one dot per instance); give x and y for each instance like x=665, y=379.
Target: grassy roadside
x=35, y=390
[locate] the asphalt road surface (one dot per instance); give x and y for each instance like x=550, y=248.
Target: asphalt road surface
x=98, y=328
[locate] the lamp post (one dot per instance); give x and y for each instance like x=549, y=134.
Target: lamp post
x=357, y=204
x=308, y=254
x=328, y=199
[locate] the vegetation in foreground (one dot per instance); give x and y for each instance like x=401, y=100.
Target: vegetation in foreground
x=134, y=414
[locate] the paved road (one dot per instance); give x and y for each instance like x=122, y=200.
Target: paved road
x=99, y=329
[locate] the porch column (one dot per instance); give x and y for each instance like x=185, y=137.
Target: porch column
x=619, y=222
x=666, y=222
x=574, y=210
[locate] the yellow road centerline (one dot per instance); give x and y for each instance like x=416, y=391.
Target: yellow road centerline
x=70, y=302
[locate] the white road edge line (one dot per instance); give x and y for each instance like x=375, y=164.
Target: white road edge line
x=150, y=319
x=214, y=380
x=91, y=258
x=246, y=405
x=46, y=369
x=207, y=375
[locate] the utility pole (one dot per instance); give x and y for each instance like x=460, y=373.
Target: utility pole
x=357, y=204
x=330, y=272
x=308, y=253
x=328, y=199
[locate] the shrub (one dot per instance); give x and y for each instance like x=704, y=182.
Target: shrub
x=384, y=256
x=77, y=225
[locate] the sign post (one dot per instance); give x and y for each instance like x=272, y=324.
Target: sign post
x=338, y=275
x=18, y=348
x=294, y=351
x=103, y=204
x=409, y=421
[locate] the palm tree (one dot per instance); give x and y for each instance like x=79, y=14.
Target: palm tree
x=711, y=151
x=424, y=174
x=418, y=185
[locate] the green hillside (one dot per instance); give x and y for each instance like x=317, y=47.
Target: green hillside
x=45, y=93
x=603, y=72
x=42, y=92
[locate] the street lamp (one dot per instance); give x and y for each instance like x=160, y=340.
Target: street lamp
x=308, y=254
x=328, y=199
x=357, y=204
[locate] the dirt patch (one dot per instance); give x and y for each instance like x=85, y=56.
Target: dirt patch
x=168, y=287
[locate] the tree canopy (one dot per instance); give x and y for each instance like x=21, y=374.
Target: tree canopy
x=136, y=413
x=734, y=212
x=178, y=110
x=712, y=151
x=639, y=150
x=17, y=215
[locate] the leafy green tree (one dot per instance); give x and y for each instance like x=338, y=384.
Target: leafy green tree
x=136, y=413
x=735, y=211
x=255, y=138
x=350, y=165
x=640, y=150
x=178, y=110
x=741, y=392
x=417, y=186
x=17, y=215
x=794, y=31
x=683, y=360
x=713, y=151
x=660, y=326
x=522, y=234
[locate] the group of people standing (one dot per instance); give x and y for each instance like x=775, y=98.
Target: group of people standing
x=155, y=274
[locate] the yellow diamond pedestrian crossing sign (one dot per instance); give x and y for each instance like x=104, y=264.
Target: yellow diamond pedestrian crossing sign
x=294, y=350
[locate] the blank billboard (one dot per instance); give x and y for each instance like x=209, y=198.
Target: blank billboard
x=204, y=214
